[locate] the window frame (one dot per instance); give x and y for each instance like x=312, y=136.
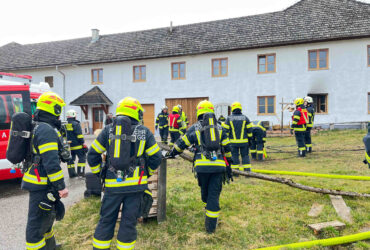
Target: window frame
x=266, y=105
x=326, y=101
x=318, y=59
x=98, y=76
x=52, y=78
x=133, y=73
x=266, y=64
x=219, y=67
x=179, y=77
x=368, y=55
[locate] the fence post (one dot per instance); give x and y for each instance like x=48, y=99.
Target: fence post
x=162, y=188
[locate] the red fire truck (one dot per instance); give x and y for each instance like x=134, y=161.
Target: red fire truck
x=17, y=94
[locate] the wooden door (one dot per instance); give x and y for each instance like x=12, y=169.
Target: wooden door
x=149, y=116
x=98, y=118
x=189, y=106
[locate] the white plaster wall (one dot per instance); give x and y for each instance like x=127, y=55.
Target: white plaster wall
x=346, y=81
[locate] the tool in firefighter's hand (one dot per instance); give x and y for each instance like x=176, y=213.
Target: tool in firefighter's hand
x=228, y=170
x=168, y=154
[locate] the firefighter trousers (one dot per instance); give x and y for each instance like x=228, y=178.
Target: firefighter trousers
x=80, y=153
x=175, y=135
x=257, y=147
x=307, y=139
x=163, y=132
x=300, y=139
x=211, y=186
x=39, y=230
x=243, y=151
x=109, y=210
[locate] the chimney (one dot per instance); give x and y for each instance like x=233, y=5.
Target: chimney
x=171, y=28
x=94, y=35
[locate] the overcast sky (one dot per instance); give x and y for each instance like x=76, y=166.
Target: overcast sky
x=33, y=21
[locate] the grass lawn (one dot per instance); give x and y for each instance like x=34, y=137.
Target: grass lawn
x=254, y=213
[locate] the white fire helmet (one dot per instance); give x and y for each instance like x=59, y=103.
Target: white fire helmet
x=71, y=113
x=308, y=99
x=164, y=107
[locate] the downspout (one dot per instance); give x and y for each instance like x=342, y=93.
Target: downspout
x=64, y=88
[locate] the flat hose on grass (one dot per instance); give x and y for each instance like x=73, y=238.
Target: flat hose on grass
x=324, y=242
x=278, y=179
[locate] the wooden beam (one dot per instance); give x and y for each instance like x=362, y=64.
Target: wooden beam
x=105, y=108
x=162, y=180
x=341, y=208
x=317, y=228
x=85, y=110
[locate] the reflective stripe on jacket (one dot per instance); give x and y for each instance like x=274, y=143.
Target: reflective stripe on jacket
x=311, y=116
x=162, y=120
x=146, y=146
x=74, y=133
x=239, y=129
x=300, y=119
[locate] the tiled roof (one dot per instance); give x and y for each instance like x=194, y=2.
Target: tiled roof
x=305, y=21
x=93, y=96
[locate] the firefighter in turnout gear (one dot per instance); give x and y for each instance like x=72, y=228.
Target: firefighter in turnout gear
x=183, y=116
x=75, y=136
x=209, y=170
x=239, y=129
x=177, y=126
x=145, y=157
x=44, y=178
x=300, y=120
x=221, y=119
x=308, y=102
x=258, y=140
x=367, y=146
x=162, y=124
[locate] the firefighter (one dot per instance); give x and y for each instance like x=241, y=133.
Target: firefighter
x=367, y=146
x=75, y=136
x=258, y=140
x=300, y=120
x=183, y=116
x=239, y=129
x=210, y=173
x=129, y=191
x=177, y=126
x=44, y=179
x=221, y=119
x=162, y=124
x=308, y=102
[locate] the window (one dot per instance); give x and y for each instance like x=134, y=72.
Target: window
x=266, y=63
x=50, y=81
x=219, y=67
x=140, y=73
x=97, y=76
x=318, y=59
x=368, y=102
x=178, y=70
x=266, y=105
x=368, y=55
x=320, y=102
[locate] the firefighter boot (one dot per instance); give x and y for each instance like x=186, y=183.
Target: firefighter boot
x=72, y=171
x=260, y=157
x=81, y=172
x=301, y=153
x=309, y=149
x=211, y=224
x=50, y=244
x=254, y=156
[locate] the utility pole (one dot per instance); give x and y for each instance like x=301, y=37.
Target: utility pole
x=284, y=106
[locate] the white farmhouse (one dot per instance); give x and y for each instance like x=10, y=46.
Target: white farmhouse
x=319, y=48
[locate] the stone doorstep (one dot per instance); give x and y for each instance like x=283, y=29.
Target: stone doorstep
x=318, y=227
x=341, y=208
x=315, y=210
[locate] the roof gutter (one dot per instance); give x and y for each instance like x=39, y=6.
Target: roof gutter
x=64, y=88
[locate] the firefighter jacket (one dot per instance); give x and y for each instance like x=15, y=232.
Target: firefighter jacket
x=201, y=163
x=184, y=118
x=300, y=119
x=162, y=120
x=239, y=129
x=311, y=116
x=74, y=134
x=45, y=172
x=147, y=149
x=367, y=147
x=176, y=123
x=259, y=130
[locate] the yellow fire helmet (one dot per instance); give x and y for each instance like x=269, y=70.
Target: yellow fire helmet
x=236, y=105
x=205, y=107
x=298, y=101
x=50, y=102
x=131, y=107
x=176, y=109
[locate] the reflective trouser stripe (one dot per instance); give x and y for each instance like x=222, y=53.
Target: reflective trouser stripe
x=81, y=164
x=95, y=169
x=71, y=166
x=123, y=245
x=234, y=166
x=100, y=244
x=76, y=147
x=245, y=166
x=253, y=150
x=309, y=145
x=36, y=245
x=49, y=234
x=260, y=152
x=302, y=148
x=212, y=214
